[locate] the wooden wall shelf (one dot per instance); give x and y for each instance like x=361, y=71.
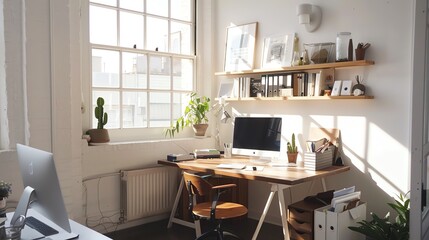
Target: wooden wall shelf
x=359, y=63
x=298, y=98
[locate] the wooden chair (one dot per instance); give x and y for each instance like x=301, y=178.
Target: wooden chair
x=215, y=211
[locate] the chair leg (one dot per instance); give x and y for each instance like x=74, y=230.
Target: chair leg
x=205, y=235
x=225, y=233
x=219, y=234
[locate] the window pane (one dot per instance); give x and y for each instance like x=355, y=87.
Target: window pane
x=134, y=70
x=103, y=28
x=181, y=9
x=160, y=77
x=134, y=109
x=157, y=7
x=131, y=31
x=157, y=34
x=183, y=74
x=180, y=101
x=159, y=109
x=111, y=106
x=135, y=5
x=105, y=68
x=180, y=38
x=105, y=2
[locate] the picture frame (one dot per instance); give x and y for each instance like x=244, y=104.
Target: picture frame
x=346, y=88
x=240, y=47
x=226, y=88
x=336, y=89
x=278, y=51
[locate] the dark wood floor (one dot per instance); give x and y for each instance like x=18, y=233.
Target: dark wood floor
x=244, y=228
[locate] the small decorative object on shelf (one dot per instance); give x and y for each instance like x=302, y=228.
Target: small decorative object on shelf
x=360, y=50
x=292, y=150
x=359, y=88
x=99, y=135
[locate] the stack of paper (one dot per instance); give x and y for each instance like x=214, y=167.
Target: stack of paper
x=345, y=199
x=318, y=160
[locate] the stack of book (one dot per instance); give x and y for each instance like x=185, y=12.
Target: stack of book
x=319, y=160
x=206, y=153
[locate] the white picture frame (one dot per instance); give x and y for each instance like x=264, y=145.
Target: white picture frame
x=336, y=88
x=346, y=88
x=226, y=87
x=278, y=51
x=240, y=47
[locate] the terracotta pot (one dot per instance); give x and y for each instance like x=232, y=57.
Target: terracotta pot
x=292, y=157
x=200, y=129
x=99, y=135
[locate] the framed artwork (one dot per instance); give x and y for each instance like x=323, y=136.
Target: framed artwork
x=240, y=47
x=278, y=51
x=226, y=87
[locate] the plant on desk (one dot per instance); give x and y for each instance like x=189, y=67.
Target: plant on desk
x=195, y=115
x=5, y=190
x=382, y=228
x=292, y=150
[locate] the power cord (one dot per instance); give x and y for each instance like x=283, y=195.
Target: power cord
x=104, y=221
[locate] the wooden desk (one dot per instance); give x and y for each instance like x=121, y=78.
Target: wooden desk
x=280, y=178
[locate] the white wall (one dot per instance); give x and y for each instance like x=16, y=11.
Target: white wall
x=375, y=133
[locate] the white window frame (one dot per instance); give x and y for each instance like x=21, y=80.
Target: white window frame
x=127, y=134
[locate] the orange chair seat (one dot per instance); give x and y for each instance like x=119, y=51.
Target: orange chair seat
x=224, y=210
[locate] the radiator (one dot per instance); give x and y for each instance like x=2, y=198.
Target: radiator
x=147, y=192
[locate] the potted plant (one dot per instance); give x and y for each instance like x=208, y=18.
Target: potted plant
x=382, y=228
x=292, y=150
x=99, y=135
x=195, y=115
x=5, y=190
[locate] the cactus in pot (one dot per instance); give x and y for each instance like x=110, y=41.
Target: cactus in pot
x=100, y=114
x=292, y=150
x=99, y=135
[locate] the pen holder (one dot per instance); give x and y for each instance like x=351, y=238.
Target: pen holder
x=360, y=53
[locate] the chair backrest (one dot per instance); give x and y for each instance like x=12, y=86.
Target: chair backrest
x=199, y=186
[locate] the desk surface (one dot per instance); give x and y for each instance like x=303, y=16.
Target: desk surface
x=280, y=175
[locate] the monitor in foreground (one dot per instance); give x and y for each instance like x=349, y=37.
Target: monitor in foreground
x=42, y=194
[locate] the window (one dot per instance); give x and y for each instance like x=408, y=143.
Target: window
x=143, y=60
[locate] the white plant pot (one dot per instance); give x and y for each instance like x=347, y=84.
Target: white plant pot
x=3, y=203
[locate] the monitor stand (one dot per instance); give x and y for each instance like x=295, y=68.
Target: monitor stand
x=24, y=202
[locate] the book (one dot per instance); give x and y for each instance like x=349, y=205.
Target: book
x=256, y=87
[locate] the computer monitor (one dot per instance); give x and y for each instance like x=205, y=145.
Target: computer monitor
x=257, y=136
x=38, y=172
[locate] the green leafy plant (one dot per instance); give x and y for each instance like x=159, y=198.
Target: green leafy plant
x=100, y=114
x=5, y=189
x=382, y=228
x=291, y=146
x=195, y=113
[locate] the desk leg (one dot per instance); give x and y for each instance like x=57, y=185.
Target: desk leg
x=172, y=219
x=324, y=184
x=283, y=210
x=264, y=213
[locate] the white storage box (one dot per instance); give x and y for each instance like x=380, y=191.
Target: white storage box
x=334, y=226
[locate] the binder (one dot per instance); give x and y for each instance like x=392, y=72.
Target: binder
x=334, y=226
x=320, y=223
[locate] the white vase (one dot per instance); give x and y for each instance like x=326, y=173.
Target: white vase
x=3, y=203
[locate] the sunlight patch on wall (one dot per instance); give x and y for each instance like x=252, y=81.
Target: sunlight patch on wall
x=388, y=161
